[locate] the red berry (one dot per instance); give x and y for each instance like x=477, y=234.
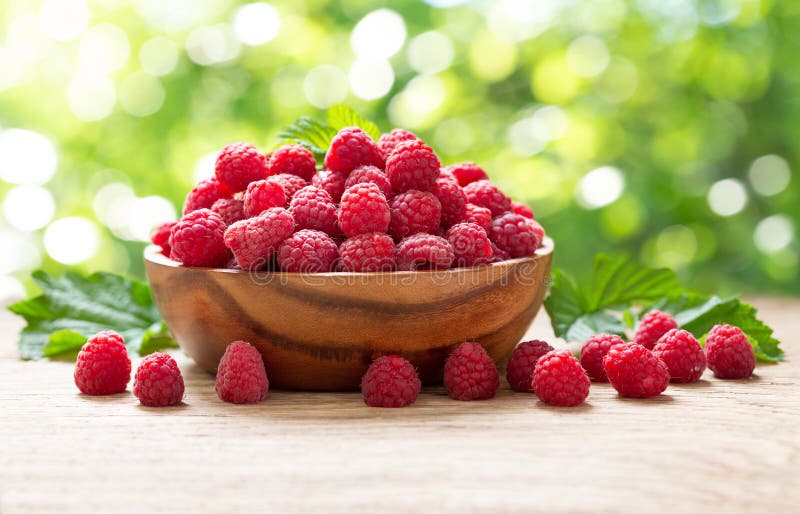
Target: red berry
x=330, y=181
x=262, y=195
x=390, y=381
x=290, y=184
x=413, y=212
x=238, y=164
x=470, y=373
x=364, y=174
x=634, y=371
x=471, y=245
x=389, y=141
x=313, y=208
x=158, y=381
x=198, y=240
x=593, y=351
x=537, y=228
x=367, y=252
x=103, y=366
x=412, y=165
x=512, y=233
x=519, y=371
x=486, y=194
x=477, y=214
x=729, y=353
x=161, y=234
x=682, y=354
x=230, y=210
x=653, y=325
x=559, y=379
x=363, y=209
x=466, y=172
x=204, y=194
x=307, y=251
x=498, y=254
x=255, y=240
x=350, y=148
x=292, y=160
x=241, y=376
x=522, y=209
x=453, y=200
x=424, y=251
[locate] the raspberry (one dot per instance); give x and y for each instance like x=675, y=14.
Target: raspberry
x=413, y=212
x=512, y=233
x=389, y=141
x=158, y=381
x=522, y=209
x=682, y=354
x=592, y=353
x=103, y=366
x=290, y=184
x=230, y=210
x=241, y=376
x=653, y=325
x=307, y=251
x=262, y=195
x=452, y=198
x=466, y=172
x=350, y=148
x=486, y=194
x=470, y=373
x=254, y=240
x=198, y=240
x=367, y=252
x=372, y=174
x=538, y=230
x=330, y=181
x=559, y=379
x=204, y=194
x=729, y=353
x=499, y=255
x=238, y=164
x=363, y=209
x=313, y=208
x=446, y=174
x=292, y=160
x=471, y=245
x=390, y=381
x=160, y=236
x=412, y=165
x=424, y=251
x=634, y=371
x=477, y=214
x=519, y=371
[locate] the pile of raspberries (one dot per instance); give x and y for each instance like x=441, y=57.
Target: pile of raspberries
x=381, y=205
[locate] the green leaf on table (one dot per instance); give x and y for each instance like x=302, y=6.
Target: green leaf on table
x=314, y=135
x=340, y=116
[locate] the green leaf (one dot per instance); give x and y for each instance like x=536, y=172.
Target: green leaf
x=63, y=341
x=314, y=135
x=619, y=280
x=340, y=116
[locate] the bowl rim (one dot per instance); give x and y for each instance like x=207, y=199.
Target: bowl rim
x=152, y=254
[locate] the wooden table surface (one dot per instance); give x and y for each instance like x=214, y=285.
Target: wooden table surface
x=727, y=446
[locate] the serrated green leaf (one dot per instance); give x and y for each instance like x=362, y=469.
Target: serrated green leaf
x=340, y=116
x=618, y=280
x=563, y=304
x=314, y=135
x=63, y=341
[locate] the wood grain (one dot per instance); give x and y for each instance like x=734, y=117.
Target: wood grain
x=715, y=446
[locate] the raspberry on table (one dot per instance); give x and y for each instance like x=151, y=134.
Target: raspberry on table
x=486, y=194
x=238, y=164
x=369, y=252
x=290, y=184
x=254, y=241
x=513, y=234
x=390, y=381
x=313, y=208
x=522, y=209
x=477, y=214
x=519, y=371
x=103, y=366
x=470, y=373
x=728, y=352
x=363, y=209
x=452, y=198
x=160, y=236
x=471, y=245
x=332, y=182
x=424, y=251
x=466, y=172
x=307, y=251
x=593, y=351
x=559, y=379
x=367, y=173
x=413, y=212
x=204, y=194
x=389, y=141
x=262, y=195
x=197, y=240
x=158, y=381
x=682, y=354
x=653, y=325
x=350, y=148
x=241, y=375
x=634, y=371
x=230, y=210
x=412, y=165
x=292, y=160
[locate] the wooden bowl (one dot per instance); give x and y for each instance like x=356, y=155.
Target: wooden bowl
x=321, y=331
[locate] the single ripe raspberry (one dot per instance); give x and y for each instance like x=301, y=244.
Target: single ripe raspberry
x=262, y=195
x=486, y=194
x=390, y=381
x=477, y=214
x=204, y=194
x=538, y=230
x=367, y=252
x=412, y=165
x=471, y=245
x=519, y=371
x=413, y=212
x=197, y=240
x=512, y=233
x=634, y=371
x=498, y=254
x=682, y=354
x=559, y=379
x=230, y=210
x=161, y=234
x=593, y=351
x=452, y=198
x=424, y=251
x=522, y=209
x=307, y=251
x=313, y=208
x=729, y=353
x=653, y=325
x=364, y=174
x=363, y=209
x=470, y=373
x=332, y=182
x=467, y=172
x=255, y=240
x=389, y=141
x=350, y=148
x=290, y=184
x=292, y=160
x=158, y=381
x=103, y=366
x=238, y=164
x=241, y=376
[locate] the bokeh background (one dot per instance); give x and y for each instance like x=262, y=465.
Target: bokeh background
x=665, y=129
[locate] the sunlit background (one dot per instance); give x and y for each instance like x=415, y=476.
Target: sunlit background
x=666, y=129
